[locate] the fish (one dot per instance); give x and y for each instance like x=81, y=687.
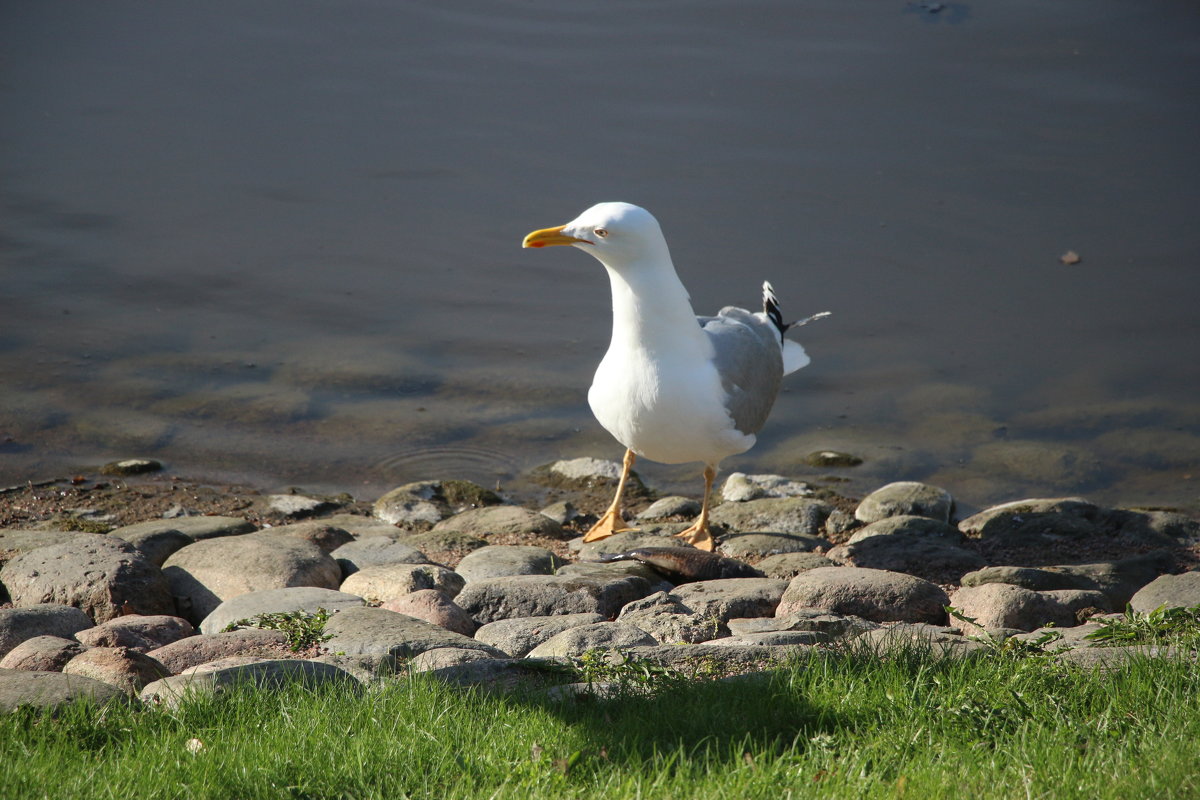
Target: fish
x=685, y=564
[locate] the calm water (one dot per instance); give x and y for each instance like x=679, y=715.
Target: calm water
x=279, y=241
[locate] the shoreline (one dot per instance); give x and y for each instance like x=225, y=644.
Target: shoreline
x=98, y=502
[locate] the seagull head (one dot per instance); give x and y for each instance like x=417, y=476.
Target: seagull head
x=618, y=234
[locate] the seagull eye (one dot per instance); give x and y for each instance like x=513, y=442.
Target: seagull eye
x=601, y=232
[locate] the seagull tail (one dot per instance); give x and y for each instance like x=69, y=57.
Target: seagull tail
x=794, y=356
x=771, y=309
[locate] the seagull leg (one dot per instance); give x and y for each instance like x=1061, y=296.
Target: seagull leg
x=698, y=534
x=612, y=521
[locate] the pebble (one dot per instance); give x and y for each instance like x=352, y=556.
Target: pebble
x=586, y=469
x=387, y=582
x=374, y=551
x=435, y=606
x=905, y=497
x=740, y=487
x=498, y=561
x=296, y=505
x=673, y=506
x=131, y=466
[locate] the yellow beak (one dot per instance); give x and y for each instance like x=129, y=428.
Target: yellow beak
x=550, y=236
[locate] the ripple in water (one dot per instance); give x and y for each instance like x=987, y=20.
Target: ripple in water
x=482, y=465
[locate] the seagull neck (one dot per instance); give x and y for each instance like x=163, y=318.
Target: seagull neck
x=650, y=305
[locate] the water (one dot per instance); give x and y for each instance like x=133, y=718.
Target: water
x=279, y=241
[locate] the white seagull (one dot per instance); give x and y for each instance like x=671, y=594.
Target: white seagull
x=674, y=387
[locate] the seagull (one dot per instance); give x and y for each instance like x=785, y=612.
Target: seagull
x=674, y=387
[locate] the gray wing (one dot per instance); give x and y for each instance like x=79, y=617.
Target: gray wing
x=750, y=363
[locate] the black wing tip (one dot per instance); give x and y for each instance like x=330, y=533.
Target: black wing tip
x=771, y=309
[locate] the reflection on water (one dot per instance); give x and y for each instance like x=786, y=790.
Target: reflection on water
x=280, y=241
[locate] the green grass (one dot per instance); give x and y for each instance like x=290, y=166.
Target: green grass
x=844, y=725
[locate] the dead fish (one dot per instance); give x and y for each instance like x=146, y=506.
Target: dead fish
x=686, y=564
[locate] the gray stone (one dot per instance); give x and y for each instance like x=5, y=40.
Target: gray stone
x=825, y=459
x=367, y=669
x=770, y=639
x=498, y=561
x=1079, y=602
x=587, y=469
x=1172, y=591
x=207, y=573
x=786, y=566
x=561, y=512
x=922, y=553
x=195, y=650
x=518, y=635
x=296, y=505
x=137, y=632
x=760, y=545
x=668, y=620
x=873, y=594
x=373, y=551
x=543, y=595
x=1065, y=637
x=48, y=690
x=156, y=545
x=102, y=575
x=307, y=599
x=839, y=523
x=120, y=666
x=445, y=658
x=907, y=498
x=617, y=569
x=412, y=504
x=362, y=527
x=42, y=654
x=131, y=466
x=996, y=520
x=909, y=525
x=445, y=540
x=1042, y=522
x=740, y=487
x=46, y=619
x=276, y=674
x=434, y=606
x=485, y=522
x=999, y=605
x=732, y=597
x=1118, y=580
x=774, y=515
x=388, y=582
x=604, y=635
x=673, y=506
x=493, y=675
x=195, y=528
x=1173, y=524
x=382, y=632
x=826, y=626
x=325, y=536
x=15, y=542
x=1108, y=659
